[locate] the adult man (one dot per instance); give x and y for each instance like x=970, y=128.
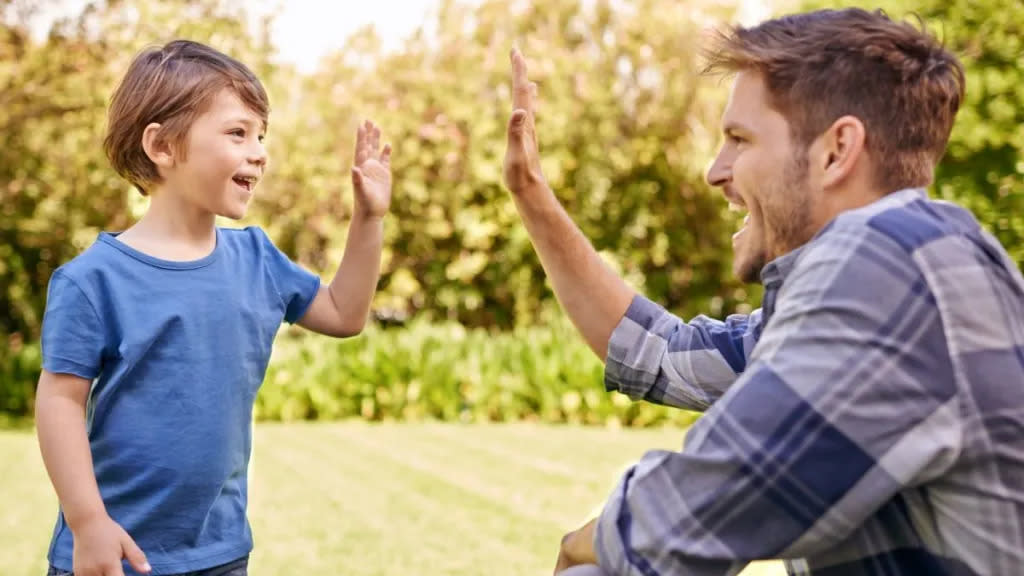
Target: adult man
x=869, y=418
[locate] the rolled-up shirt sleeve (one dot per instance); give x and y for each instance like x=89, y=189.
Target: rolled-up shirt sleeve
x=654, y=355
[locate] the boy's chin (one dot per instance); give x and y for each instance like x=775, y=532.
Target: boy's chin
x=234, y=214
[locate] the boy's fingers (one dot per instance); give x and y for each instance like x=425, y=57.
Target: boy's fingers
x=360, y=145
x=134, y=555
x=357, y=178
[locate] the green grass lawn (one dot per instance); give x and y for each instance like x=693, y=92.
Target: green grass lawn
x=364, y=500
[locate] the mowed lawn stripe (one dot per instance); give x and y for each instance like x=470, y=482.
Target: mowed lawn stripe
x=511, y=487
x=419, y=518
x=383, y=499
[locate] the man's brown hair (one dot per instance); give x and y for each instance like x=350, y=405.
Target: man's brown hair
x=819, y=66
x=171, y=85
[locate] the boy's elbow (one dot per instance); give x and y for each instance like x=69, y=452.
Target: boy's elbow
x=349, y=327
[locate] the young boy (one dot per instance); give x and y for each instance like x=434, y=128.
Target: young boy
x=164, y=331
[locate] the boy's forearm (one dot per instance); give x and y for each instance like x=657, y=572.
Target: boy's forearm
x=355, y=281
x=64, y=444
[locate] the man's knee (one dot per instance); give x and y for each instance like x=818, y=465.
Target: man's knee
x=584, y=570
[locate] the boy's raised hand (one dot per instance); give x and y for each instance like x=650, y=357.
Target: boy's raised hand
x=522, y=158
x=371, y=173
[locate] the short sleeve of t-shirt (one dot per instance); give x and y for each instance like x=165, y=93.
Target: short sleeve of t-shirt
x=296, y=285
x=73, y=337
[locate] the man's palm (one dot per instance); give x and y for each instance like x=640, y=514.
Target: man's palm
x=522, y=159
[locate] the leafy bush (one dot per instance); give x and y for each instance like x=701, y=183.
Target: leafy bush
x=448, y=372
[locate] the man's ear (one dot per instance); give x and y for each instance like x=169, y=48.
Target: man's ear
x=157, y=148
x=842, y=150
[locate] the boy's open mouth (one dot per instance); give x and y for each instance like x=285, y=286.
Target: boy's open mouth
x=247, y=182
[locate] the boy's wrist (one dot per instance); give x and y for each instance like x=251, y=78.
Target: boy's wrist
x=364, y=215
x=77, y=520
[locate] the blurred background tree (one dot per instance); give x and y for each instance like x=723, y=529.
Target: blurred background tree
x=627, y=128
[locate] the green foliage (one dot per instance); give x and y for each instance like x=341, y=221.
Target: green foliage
x=448, y=372
x=626, y=128
x=19, y=370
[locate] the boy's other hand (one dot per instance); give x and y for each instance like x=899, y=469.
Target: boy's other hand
x=522, y=158
x=100, y=544
x=371, y=174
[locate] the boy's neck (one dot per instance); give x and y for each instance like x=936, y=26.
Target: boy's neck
x=172, y=229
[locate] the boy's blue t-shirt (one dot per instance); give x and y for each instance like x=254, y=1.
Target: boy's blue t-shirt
x=178, y=351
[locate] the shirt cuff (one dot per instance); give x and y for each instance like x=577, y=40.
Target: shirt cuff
x=58, y=365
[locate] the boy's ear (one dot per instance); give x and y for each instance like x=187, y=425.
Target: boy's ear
x=157, y=148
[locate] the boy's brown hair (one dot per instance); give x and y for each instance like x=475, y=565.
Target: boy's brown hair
x=171, y=85
x=819, y=66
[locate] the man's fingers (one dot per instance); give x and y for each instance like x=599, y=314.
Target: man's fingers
x=520, y=82
x=134, y=555
x=519, y=117
x=517, y=126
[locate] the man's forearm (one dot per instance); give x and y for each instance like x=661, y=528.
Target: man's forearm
x=593, y=296
x=355, y=281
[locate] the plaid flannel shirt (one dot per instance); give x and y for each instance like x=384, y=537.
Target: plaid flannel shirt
x=868, y=419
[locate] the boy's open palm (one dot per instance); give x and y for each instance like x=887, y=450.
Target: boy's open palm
x=371, y=174
x=99, y=547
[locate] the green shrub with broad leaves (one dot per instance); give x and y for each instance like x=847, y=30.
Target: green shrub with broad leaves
x=448, y=372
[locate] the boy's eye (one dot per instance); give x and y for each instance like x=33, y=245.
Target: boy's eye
x=238, y=132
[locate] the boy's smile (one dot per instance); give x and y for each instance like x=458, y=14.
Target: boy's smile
x=225, y=158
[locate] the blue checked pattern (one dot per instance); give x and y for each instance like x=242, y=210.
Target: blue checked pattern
x=868, y=420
